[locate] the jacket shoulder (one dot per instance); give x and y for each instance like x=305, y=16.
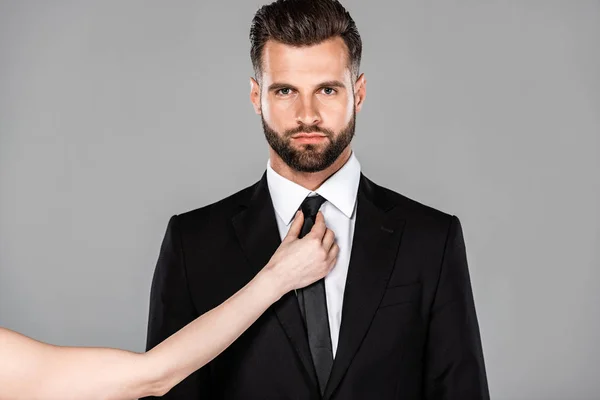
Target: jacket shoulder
x=410, y=209
x=217, y=211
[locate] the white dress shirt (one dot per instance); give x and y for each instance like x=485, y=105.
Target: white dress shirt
x=339, y=211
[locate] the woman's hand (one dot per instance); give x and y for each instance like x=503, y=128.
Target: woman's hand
x=299, y=262
x=71, y=372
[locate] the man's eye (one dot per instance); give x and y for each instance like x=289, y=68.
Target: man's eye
x=284, y=91
x=329, y=91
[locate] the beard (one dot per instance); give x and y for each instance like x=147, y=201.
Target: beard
x=309, y=158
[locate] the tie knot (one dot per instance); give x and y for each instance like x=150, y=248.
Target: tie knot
x=311, y=204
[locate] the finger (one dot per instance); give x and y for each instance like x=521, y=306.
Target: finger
x=333, y=254
x=333, y=251
x=328, y=239
x=296, y=226
x=318, y=229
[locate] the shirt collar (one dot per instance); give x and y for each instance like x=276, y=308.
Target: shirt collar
x=339, y=189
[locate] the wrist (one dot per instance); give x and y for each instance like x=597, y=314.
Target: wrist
x=272, y=282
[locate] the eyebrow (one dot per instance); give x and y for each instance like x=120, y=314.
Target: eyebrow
x=282, y=85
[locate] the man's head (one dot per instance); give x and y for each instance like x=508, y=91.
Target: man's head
x=306, y=58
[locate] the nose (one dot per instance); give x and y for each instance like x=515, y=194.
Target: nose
x=307, y=112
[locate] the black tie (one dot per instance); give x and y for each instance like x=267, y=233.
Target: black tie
x=313, y=305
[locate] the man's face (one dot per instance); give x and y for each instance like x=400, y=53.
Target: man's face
x=307, y=102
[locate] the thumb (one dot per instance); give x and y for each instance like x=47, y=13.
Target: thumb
x=296, y=225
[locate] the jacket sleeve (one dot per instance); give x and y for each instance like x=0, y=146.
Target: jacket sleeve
x=171, y=308
x=454, y=364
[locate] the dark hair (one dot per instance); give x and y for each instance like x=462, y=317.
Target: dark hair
x=304, y=23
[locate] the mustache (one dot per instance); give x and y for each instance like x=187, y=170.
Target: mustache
x=309, y=129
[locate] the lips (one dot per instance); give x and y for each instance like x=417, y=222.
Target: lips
x=308, y=135
x=309, y=139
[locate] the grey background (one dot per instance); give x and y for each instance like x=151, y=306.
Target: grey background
x=116, y=115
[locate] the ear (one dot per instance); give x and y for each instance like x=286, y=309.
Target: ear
x=255, y=95
x=360, y=91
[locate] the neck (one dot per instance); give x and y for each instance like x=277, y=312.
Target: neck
x=308, y=180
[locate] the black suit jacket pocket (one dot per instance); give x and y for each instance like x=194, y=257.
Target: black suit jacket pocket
x=401, y=294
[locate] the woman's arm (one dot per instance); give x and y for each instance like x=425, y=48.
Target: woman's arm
x=32, y=370
x=184, y=352
x=103, y=373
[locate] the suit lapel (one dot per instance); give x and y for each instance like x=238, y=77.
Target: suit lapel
x=256, y=229
x=374, y=248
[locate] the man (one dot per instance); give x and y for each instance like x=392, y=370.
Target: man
x=395, y=319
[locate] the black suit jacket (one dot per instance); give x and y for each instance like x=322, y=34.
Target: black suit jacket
x=409, y=328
